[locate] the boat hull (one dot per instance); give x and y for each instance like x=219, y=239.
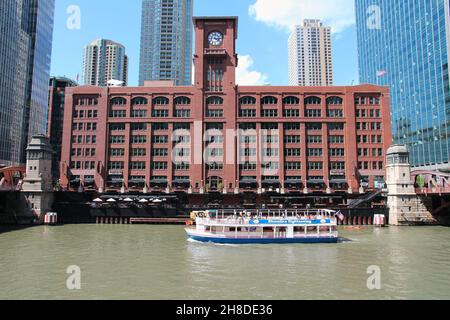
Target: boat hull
x=221, y=240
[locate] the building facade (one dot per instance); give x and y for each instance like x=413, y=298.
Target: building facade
x=105, y=63
x=405, y=45
x=166, y=41
x=57, y=88
x=217, y=136
x=25, y=54
x=310, y=55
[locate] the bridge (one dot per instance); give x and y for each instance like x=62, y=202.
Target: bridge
x=11, y=178
x=431, y=182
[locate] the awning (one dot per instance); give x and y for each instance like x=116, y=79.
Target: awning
x=115, y=180
x=266, y=180
x=156, y=180
x=181, y=181
x=75, y=180
x=248, y=181
x=316, y=181
x=293, y=180
x=89, y=180
x=137, y=180
x=338, y=181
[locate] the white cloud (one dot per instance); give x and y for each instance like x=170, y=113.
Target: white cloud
x=286, y=14
x=245, y=76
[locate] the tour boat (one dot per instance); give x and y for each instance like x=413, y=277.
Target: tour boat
x=265, y=227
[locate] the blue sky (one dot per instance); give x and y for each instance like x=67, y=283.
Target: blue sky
x=263, y=33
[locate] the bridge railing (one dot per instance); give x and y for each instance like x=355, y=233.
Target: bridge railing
x=433, y=190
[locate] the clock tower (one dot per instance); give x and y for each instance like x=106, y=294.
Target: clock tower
x=215, y=62
x=215, y=56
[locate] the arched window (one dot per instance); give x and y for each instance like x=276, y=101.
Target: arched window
x=139, y=101
x=291, y=100
x=118, y=101
x=214, y=101
x=269, y=100
x=182, y=101
x=313, y=101
x=161, y=101
x=247, y=101
x=335, y=101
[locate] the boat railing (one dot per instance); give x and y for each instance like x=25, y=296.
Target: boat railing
x=246, y=220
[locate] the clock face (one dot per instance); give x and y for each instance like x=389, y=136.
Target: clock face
x=215, y=38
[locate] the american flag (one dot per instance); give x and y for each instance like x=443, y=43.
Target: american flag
x=381, y=73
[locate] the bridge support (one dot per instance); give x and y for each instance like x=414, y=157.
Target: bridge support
x=405, y=206
x=37, y=186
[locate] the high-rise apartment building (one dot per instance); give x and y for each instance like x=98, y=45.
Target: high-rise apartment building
x=105, y=63
x=310, y=55
x=405, y=44
x=166, y=41
x=25, y=54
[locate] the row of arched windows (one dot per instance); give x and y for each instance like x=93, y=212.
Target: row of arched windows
x=141, y=101
x=214, y=100
x=291, y=100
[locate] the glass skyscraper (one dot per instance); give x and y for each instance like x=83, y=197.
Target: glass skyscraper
x=25, y=54
x=166, y=41
x=405, y=45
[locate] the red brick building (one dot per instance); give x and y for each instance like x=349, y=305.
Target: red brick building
x=218, y=136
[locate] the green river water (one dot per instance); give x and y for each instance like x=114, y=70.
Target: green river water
x=157, y=262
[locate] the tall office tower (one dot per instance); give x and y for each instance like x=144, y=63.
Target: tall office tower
x=405, y=45
x=166, y=41
x=310, y=55
x=25, y=54
x=105, y=63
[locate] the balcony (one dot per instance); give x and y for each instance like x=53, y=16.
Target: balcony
x=215, y=52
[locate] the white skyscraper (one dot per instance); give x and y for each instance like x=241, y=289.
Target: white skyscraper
x=105, y=62
x=310, y=55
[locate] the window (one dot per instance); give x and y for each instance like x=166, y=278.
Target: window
x=291, y=126
x=160, y=139
x=160, y=152
x=182, y=101
x=118, y=113
x=314, y=139
x=313, y=101
x=337, y=152
x=182, y=166
x=272, y=152
x=139, y=126
x=138, y=152
x=247, y=113
x=159, y=101
x=215, y=166
x=248, y=152
x=159, y=165
x=269, y=100
x=115, y=152
x=139, y=139
x=117, y=127
x=293, y=166
x=289, y=101
x=139, y=101
x=248, y=166
x=314, y=126
x=335, y=101
x=160, y=126
x=315, y=165
x=160, y=113
x=337, y=165
x=335, y=113
x=337, y=126
x=291, y=139
x=116, y=165
x=291, y=113
x=313, y=113
x=137, y=165
x=336, y=139
x=315, y=152
x=183, y=113
x=118, y=101
x=214, y=113
x=139, y=113
x=244, y=101
x=116, y=139
x=214, y=101
x=271, y=113
x=292, y=152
